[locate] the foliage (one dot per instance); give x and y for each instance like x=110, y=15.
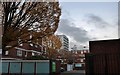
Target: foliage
x=28, y=22
x=52, y=42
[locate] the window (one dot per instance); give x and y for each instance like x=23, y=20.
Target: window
x=19, y=53
x=6, y=53
x=76, y=52
x=81, y=60
x=45, y=51
x=33, y=54
x=25, y=54
x=81, y=52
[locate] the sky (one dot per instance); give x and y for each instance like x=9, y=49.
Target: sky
x=88, y=0
x=82, y=22
x=88, y=20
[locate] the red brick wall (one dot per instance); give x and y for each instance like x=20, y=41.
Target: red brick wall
x=12, y=53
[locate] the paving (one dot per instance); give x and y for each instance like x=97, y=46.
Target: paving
x=74, y=72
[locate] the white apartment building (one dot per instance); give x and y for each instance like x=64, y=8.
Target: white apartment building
x=64, y=41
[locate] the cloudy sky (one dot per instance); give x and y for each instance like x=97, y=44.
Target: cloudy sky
x=82, y=22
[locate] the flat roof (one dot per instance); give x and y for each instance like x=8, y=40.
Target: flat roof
x=25, y=61
x=105, y=40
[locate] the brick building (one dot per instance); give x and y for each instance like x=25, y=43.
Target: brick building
x=25, y=50
x=79, y=58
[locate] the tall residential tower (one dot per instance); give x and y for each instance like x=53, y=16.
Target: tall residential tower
x=64, y=41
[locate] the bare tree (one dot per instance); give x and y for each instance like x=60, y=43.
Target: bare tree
x=24, y=19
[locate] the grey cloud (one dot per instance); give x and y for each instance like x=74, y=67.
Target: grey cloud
x=119, y=25
x=94, y=38
x=106, y=36
x=96, y=20
x=68, y=28
x=118, y=31
x=72, y=44
x=119, y=19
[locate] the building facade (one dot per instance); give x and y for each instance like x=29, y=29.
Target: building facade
x=25, y=50
x=79, y=58
x=65, y=42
